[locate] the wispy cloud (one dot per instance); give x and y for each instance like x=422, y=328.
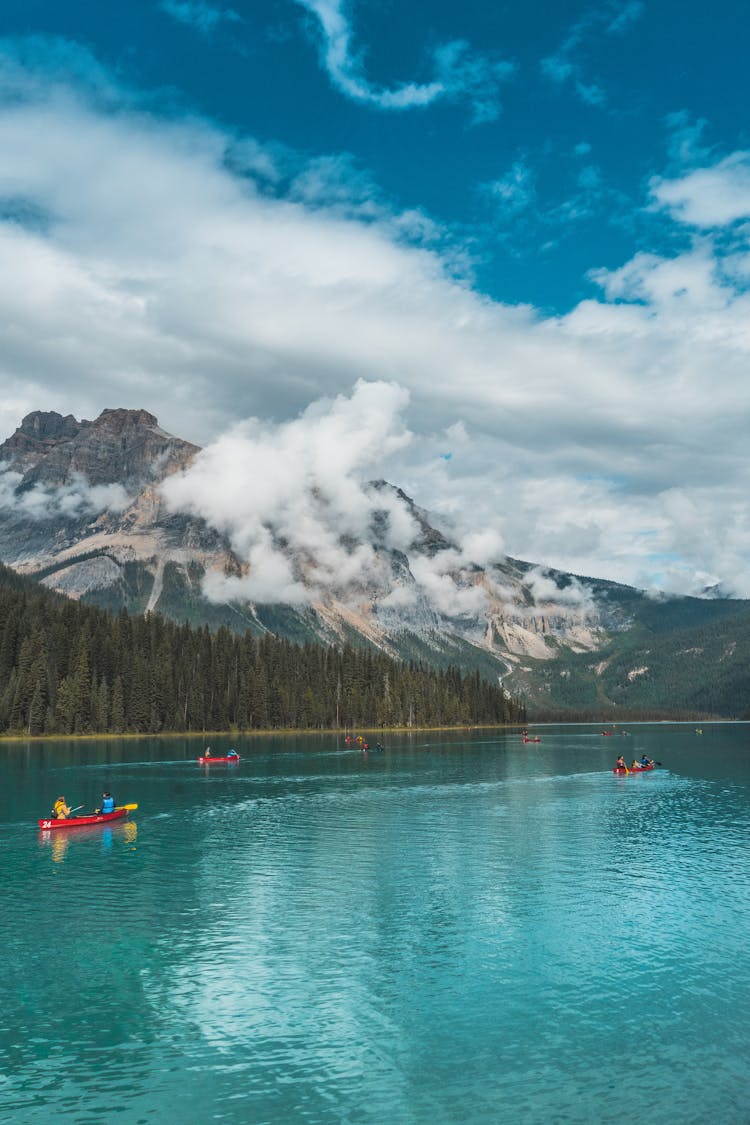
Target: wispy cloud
x=199, y=14
x=686, y=147
x=43, y=502
x=513, y=192
x=467, y=75
x=621, y=16
x=517, y=196
x=460, y=74
x=564, y=66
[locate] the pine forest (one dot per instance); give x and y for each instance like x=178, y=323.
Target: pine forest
x=68, y=668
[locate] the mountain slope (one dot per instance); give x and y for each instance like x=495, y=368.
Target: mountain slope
x=83, y=511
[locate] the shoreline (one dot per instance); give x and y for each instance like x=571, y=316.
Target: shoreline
x=285, y=732
x=372, y=732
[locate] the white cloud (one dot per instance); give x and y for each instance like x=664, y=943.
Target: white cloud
x=293, y=500
x=544, y=589
x=446, y=592
x=43, y=502
x=689, y=280
x=708, y=197
x=460, y=73
x=145, y=269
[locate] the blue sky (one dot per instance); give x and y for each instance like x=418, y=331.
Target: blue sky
x=528, y=132
x=531, y=218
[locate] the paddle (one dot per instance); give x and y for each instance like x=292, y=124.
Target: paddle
x=76, y=809
x=130, y=808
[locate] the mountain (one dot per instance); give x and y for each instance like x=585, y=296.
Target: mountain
x=82, y=510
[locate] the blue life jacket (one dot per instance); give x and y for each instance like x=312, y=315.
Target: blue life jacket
x=108, y=804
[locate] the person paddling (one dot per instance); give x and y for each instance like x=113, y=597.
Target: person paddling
x=108, y=803
x=620, y=763
x=61, y=810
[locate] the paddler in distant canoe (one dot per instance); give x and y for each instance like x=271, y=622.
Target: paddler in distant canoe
x=61, y=809
x=620, y=763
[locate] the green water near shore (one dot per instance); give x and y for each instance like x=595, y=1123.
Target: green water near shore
x=461, y=928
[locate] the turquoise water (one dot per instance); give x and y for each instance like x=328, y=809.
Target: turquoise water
x=462, y=929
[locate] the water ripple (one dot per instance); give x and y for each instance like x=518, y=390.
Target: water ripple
x=472, y=934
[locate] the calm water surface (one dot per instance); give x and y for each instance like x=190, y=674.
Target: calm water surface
x=462, y=929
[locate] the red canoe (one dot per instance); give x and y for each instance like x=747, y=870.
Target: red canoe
x=79, y=821
x=633, y=769
x=210, y=761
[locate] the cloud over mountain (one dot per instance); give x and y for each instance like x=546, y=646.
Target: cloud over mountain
x=140, y=259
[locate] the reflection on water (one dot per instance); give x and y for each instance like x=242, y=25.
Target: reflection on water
x=459, y=928
x=59, y=840
x=60, y=845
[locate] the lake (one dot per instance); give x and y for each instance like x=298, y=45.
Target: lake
x=463, y=928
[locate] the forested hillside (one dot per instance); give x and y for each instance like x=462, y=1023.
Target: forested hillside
x=684, y=658
x=68, y=668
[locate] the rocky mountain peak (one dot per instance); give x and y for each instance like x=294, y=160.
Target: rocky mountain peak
x=121, y=420
x=45, y=425
x=429, y=539
x=120, y=446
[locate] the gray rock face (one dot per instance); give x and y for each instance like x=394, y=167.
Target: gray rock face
x=66, y=512
x=126, y=447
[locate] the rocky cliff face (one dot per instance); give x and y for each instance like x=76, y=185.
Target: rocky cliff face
x=124, y=447
x=82, y=505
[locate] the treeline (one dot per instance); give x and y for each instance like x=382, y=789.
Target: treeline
x=67, y=668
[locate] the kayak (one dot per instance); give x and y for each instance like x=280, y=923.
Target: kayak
x=209, y=761
x=633, y=769
x=80, y=821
